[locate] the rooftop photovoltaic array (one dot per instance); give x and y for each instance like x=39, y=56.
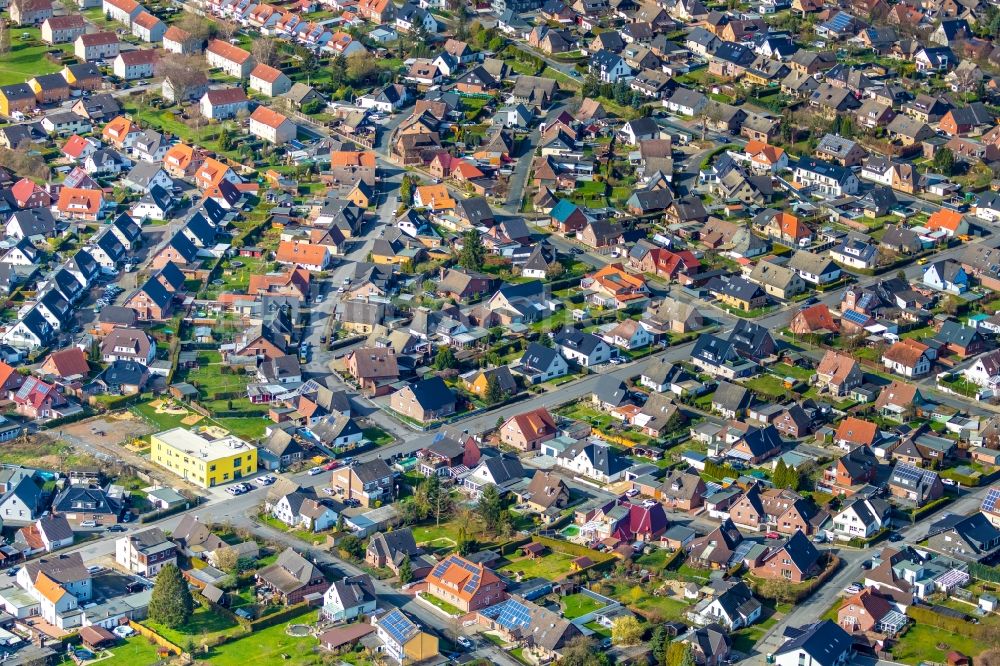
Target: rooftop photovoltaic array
x=992, y=501
x=511, y=614
x=398, y=626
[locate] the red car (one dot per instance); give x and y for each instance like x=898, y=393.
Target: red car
x=333, y=464
x=772, y=535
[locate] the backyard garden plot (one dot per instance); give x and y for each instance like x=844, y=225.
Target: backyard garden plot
x=29, y=56
x=135, y=650
x=579, y=604
x=168, y=414
x=551, y=565
x=275, y=645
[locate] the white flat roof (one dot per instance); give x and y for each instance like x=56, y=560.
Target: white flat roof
x=207, y=449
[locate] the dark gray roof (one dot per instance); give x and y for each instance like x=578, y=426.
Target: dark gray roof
x=432, y=393
x=585, y=343
x=824, y=641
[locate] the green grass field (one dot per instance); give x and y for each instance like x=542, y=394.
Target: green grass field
x=578, y=605
x=203, y=625
x=135, y=650
x=377, y=436
x=552, y=565
x=27, y=57
x=921, y=643
x=270, y=646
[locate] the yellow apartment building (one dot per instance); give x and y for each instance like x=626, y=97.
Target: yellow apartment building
x=201, y=460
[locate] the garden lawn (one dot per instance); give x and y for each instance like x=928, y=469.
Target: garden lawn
x=377, y=436
x=448, y=608
x=745, y=639
x=552, y=565
x=578, y=605
x=27, y=58
x=210, y=380
x=205, y=624
x=598, y=629
x=921, y=642
x=665, y=607
x=785, y=370
x=270, y=646
x=582, y=412
x=767, y=385
x=244, y=427
x=135, y=650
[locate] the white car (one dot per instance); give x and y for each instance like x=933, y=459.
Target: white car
x=265, y=480
x=632, y=492
x=89, y=523
x=315, y=470
x=649, y=503
x=947, y=482
x=464, y=642
x=852, y=589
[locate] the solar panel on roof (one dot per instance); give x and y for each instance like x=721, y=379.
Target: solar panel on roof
x=992, y=500
x=397, y=625
x=855, y=317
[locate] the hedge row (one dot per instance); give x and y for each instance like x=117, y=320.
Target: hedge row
x=153, y=516
x=929, y=508
x=571, y=548
x=279, y=617
x=984, y=572
x=979, y=632
x=237, y=413
x=512, y=546
x=85, y=413
x=799, y=591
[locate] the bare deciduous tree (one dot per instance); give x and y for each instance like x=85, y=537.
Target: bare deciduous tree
x=225, y=29
x=196, y=26
x=265, y=50
x=21, y=162
x=4, y=36
x=185, y=72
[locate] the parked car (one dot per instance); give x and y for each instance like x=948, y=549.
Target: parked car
x=315, y=470
x=265, y=480
x=948, y=482
x=89, y=523
x=772, y=535
x=852, y=589
x=117, y=528
x=464, y=642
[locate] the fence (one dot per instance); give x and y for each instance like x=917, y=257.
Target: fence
x=153, y=516
x=86, y=413
x=146, y=632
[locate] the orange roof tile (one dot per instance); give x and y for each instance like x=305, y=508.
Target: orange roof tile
x=944, y=219
x=818, y=317
x=353, y=158
x=266, y=73
x=301, y=253
x=76, y=200
x=175, y=34
x=266, y=116
x=856, y=431
x=228, y=51
x=48, y=588
x=146, y=20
